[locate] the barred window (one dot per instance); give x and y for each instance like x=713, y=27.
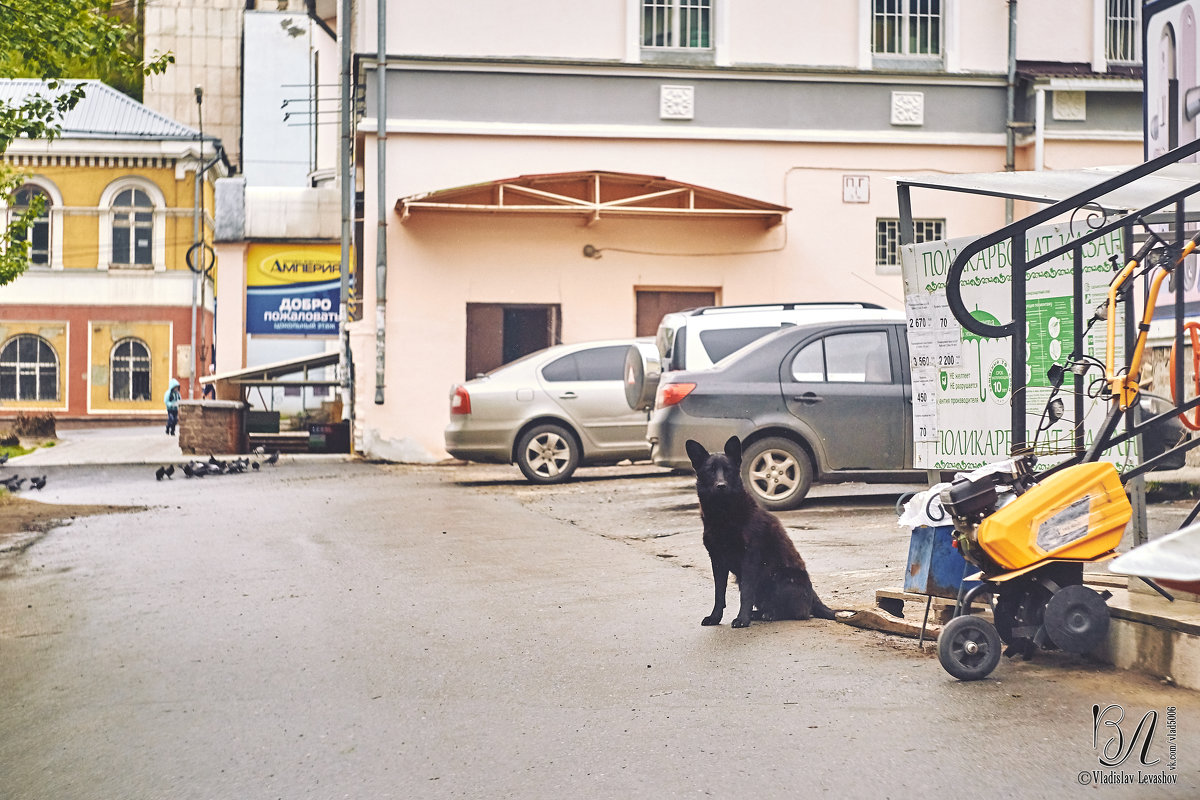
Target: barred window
x=38, y=232
x=887, y=240
x=130, y=365
x=1123, y=32
x=28, y=369
x=906, y=27
x=677, y=23
x=133, y=229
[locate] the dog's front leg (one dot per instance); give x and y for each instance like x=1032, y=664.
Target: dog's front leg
x=748, y=583
x=720, y=583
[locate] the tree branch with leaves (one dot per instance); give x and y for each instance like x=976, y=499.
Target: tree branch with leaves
x=61, y=42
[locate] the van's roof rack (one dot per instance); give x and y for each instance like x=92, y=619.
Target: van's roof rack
x=782, y=306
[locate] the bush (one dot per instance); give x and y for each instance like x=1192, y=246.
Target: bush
x=34, y=426
x=9, y=439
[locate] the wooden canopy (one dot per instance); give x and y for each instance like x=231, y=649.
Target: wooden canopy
x=592, y=196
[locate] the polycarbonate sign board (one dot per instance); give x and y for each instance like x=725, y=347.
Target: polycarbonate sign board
x=962, y=383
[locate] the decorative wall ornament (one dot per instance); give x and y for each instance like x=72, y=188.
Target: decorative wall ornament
x=677, y=102
x=908, y=108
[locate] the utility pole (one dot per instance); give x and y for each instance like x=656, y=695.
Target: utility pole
x=197, y=232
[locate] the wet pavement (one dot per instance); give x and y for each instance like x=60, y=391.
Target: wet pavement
x=373, y=631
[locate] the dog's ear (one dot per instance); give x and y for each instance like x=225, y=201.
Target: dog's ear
x=696, y=452
x=733, y=449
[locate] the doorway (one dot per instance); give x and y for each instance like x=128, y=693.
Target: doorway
x=652, y=304
x=498, y=333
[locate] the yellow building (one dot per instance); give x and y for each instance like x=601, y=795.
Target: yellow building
x=109, y=310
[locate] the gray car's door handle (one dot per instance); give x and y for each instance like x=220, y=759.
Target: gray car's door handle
x=567, y=396
x=808, y=398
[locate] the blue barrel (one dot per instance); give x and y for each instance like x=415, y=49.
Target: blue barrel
x=935, y=567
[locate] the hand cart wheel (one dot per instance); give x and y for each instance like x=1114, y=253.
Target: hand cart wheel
x=969, y=648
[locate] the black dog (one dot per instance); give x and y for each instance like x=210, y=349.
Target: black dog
x=750, y=542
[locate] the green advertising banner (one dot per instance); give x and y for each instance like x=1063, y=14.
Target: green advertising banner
x=962, y=383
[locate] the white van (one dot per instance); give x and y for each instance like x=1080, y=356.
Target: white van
x=700, y=337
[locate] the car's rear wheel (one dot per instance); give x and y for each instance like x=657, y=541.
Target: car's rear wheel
x=547, y=454
x=777, y=472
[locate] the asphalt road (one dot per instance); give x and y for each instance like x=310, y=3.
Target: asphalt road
x=371, y=631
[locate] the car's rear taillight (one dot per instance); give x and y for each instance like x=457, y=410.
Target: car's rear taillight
x=671, y=393
x=460, y=401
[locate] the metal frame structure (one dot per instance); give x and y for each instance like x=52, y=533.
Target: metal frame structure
x=1155, y=193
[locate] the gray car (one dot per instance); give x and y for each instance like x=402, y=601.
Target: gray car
x=549, y=412
x=820, y=401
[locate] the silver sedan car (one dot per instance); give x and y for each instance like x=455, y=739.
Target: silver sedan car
x=550, y=412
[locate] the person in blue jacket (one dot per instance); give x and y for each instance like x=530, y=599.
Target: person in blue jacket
x=171, y=398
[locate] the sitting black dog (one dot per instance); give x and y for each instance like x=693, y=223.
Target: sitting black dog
x=745, y=539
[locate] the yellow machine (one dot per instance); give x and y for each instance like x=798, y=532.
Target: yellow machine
x=1031, y=534
x=1078, y=514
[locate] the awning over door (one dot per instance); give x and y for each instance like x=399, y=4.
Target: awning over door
x=273, y=374
x=592, y=196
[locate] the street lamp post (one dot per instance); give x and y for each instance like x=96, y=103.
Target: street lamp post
x=198, y=211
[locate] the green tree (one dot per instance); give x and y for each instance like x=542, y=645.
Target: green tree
x=57, y=40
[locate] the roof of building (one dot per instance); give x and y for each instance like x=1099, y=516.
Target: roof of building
x=103, y=113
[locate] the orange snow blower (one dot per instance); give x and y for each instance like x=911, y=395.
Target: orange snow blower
x=1032, y=534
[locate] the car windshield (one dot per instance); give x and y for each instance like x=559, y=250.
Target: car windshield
x=515, y=361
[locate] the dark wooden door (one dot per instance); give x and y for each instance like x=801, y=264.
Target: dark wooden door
x=653, y=303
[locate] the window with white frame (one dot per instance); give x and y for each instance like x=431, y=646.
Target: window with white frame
x=887, y=240
x=130, y=371
x=28, y=369
x=1123, y=32
x=38, y=232
x=906, y=27
x=684, y=24
x=132, y=229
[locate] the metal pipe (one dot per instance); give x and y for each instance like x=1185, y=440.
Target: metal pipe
x=346, y=156
x=1039, y=130
x=1010, y=134
x=381, y=184
x=196, y=212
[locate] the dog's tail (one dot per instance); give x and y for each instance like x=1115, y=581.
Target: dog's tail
x=820, y=610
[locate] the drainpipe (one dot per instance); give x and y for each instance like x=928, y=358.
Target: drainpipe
x=381, y=183
x=1039, y=130
x=1010, y=132
x=346, y=156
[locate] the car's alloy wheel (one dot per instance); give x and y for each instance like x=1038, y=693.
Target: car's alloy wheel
x=777, y=472
x=547, y=454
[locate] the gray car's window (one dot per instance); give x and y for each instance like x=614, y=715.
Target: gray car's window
x=809, y=364
x=845, y=358
x=597, y=364
x=721, y=342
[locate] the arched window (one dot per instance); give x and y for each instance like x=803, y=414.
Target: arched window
x=28, y=369
x=39, y=230
x=133, y=229
x=130, y=364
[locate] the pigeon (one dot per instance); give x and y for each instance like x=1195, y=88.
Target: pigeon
x=254, y=466
x=188, y=471
x=170, y=471
x=160, y=473
x=260, y=450
x=271, y=459
x=14, y=483
x=37, y=483
x=4, y=459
